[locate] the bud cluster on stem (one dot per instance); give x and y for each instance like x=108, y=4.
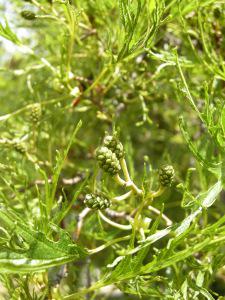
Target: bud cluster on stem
x=35, y=113
x=97, y=201
x=111, y=159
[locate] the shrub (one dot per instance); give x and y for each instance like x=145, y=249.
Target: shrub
x=112, y=149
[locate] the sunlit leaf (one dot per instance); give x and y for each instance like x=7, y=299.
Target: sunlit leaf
x=33, y=250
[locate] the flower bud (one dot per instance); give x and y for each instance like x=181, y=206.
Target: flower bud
x=112, y=143
x=166, y=175
x=96, y=201
x=35, y=113
x=19, y=147
x=108, y=160
x=28, y=15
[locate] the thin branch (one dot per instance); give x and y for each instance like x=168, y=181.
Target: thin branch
x=102, y=247
x=119, y=180
x=114, y=224
x=115, y=214
x=164, y=217
x=125, y=169
x=81, y=217
x=123, y=197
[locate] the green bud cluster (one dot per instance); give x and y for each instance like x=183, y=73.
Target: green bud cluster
x=112, y=143
x=19, y=147
x=166, y=175
x=108, y=160
x=28, y=15
x=96, y=201
x=35, y=113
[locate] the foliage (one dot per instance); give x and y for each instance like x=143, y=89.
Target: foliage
x=119, y=106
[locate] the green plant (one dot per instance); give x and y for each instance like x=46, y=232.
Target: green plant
x=28, y=15
x=96, y=201
x=112, y=149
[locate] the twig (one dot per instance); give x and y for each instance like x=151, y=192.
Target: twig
x=119, y=180
x=127, y=184
x=164, y=217
x=39, y=6
x=115, y=214
x=114, y=224
x=81, y=217
x=102, y=247
x=125, y=169
x=123, y=197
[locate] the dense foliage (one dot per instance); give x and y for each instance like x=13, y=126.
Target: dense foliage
x=112, y=149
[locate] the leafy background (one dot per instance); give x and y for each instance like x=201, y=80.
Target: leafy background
x=155, y=71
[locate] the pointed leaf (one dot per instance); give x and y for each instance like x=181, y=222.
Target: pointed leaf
x=33, y=250
x=208, y=198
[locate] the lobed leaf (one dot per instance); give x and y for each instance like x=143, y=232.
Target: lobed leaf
x=33, y=250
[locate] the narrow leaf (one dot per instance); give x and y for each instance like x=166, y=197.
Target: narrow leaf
x=208, y=198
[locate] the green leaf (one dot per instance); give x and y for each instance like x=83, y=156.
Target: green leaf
x=185, y=224
x=129, y=18
x=211, y=166
x=156, y=236
x=28, y=250
x=222, y=119
x=206, y=294
x=60, y=160
x=67, y=206
x=200, y=279
x=204, y=200
x=7, y=33
x=208, y=198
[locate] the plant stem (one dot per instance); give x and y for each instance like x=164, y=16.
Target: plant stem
x=39, y=6
x=27, y=107
x=158, y=212
x=102, y=73
x=136, y=220
x=81, y=217
x=127, y=184
x=102, y=247
x=114, y=224
x=123, y=197
x=158, y=193
x=136, y=189
x=119, y=180
x=125, y=169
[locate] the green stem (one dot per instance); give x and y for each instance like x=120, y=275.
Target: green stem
x=119, y=180
x=125, y=169
x=123, y=197
x=129, y=182
x=103, y=72
x=158, y=212
x=50, y=17
x=102, y=247
x=136, y=221
x=39, y=6
x=114, y=224
x=136, y=189
x=156, y=194
x=144, y=203
x=27, y=107
x=189, y=96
